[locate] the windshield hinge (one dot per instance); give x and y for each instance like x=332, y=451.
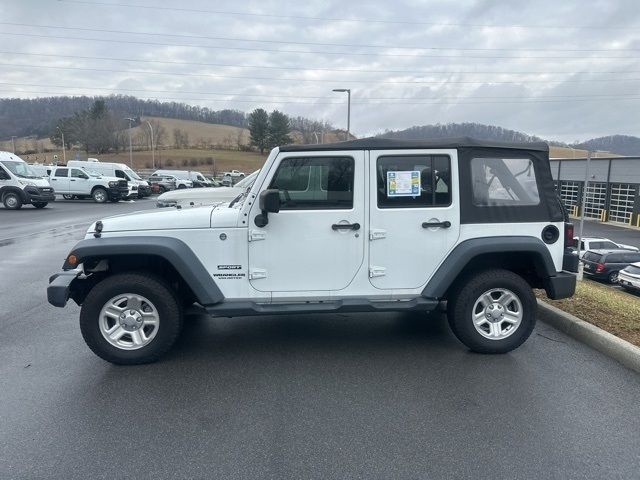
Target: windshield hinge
x=255, y=273
x=376, y=234
x=377, y=271
x=255, y=235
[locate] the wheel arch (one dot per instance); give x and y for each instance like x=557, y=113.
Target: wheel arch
x=169, y=257
x=13, y=189
x=526, y=256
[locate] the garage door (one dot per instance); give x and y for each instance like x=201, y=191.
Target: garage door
x=621, y=202
x=595, y=201
x=569, y=193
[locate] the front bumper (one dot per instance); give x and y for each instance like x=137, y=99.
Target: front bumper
x=117, y=193
x=59, y=289
x=39, y=195
x=561, y=285
x=144, y=191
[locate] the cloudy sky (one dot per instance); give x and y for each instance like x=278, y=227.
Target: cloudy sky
x=563, y=70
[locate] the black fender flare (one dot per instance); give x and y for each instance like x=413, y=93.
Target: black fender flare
x=467, y=250
x=173, y=250
x=11, y=188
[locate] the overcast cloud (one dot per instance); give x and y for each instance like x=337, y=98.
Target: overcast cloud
x=544, y=81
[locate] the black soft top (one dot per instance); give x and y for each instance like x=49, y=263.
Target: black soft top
x=375, y=143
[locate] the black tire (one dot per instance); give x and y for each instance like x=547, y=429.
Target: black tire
x=12, y=201
x=463, y=298
x=147, y=285
x=114, y=200
x=181, y=186
x=612, y=277
x=68, y=197
x=40, y=204
x=100, y=195
x=162, y=189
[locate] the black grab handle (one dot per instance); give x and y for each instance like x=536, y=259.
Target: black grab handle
x=445, y=224
x=345, y=226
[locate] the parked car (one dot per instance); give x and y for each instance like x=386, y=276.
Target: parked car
x=599, y=243
x=138, y=188
x=369, y=225
x=76, y=182
x=230, y=178
x=605, y=264
x=629, y=277
x=197, y=179
x=162, y=183
x=20, y=185
x=197, y=197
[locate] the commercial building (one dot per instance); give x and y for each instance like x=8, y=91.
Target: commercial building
x=613, y=190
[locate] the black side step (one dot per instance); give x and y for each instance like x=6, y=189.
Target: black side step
x=350, y=305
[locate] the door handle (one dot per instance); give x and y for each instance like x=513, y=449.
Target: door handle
x=73, y=179
x=345, y=226
x=445, y=224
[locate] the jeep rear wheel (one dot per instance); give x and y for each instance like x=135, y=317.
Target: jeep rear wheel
x=493, y=311
x=12, y=201
x=130, y=318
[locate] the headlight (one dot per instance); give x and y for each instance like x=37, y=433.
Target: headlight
x=113, y=184
x=27, y=182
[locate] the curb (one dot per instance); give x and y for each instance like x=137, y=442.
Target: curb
x=620, y=350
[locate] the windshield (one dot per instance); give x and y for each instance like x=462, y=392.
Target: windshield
x=20, y=169
x=248, y=181
x=132, y=174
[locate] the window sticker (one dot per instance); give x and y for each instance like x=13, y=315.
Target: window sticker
x=403, y=184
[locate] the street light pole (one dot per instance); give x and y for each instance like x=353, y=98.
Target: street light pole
x=153, y=156
x=13, y=143
x=348, y=91
x=64, y=151
x=130, y=147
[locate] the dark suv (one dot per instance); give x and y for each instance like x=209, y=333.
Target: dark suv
x=605, y=264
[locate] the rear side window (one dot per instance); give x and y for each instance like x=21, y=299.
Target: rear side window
x=413, y=181
x=592, y=256
x=62, y=172
x=615, y=258
x=315, y=183
x=503, y=182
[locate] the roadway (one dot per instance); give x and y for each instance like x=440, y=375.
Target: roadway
x=323, y=396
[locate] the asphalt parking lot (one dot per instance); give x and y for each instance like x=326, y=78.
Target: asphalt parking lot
x=320, y=396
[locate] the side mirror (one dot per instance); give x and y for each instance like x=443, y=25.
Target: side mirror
x=269, y=202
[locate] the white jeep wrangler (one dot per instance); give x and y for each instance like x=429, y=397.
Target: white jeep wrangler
x=368, y=225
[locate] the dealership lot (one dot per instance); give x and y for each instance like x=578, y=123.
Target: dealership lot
x=358, y=395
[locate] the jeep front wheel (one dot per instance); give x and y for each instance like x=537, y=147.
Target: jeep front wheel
x=130, y=318
x=493, y=311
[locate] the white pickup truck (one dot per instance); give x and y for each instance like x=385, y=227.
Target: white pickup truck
x=73, y=183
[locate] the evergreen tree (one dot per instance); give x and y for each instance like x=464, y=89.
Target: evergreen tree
x=259, y=128
x=279, y=129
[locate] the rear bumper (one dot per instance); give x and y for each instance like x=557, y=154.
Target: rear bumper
x=59, y=289
x=561, y=285
x=570, y=262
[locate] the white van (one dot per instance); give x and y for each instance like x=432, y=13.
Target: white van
x=20, y=185
x=137, y=186
x=197, y=178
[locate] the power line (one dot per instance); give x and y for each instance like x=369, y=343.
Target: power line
x=437, y=102
x=229, y=94
x=317, y=44
x=395, y=82
x=311, y=52
x=342, y=19
x=349, y=70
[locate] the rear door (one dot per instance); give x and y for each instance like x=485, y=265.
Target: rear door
x=60, y=180
x=414, y=215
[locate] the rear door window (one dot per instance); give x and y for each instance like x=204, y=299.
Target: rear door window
x=616, y=258
x=632, y=257
x=62, y=172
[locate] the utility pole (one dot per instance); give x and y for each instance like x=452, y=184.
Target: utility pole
x=153, y=157
x=130, y=146
x=348, y=91
x=13, y=142
x=584, y=201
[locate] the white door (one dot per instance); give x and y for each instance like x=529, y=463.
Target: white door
x=316, y=241
x=414, y=215
x=60, y=180
x=79, y=182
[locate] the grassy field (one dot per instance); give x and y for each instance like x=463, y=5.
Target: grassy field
x=615, y=311
x=566, y=152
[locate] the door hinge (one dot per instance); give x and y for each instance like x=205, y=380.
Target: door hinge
x=255, y=273
x=255, y=235
x=377, y=272
x=377, y=234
